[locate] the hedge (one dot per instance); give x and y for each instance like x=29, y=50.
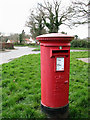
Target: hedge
x=80, y=43
x=7, y=45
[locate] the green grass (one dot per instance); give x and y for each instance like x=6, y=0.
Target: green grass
x=37, y=49
x=78, y=48
x=21, y=91
x=21, y=45
x=0, y=91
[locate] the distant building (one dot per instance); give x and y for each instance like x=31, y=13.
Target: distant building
x=10, y=41
x=32, y=40
x=29, y=41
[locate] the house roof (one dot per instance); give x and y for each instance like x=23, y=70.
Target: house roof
x=27, y=39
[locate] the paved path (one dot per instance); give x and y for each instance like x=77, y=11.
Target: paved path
x=87, y=60
x=9, y=55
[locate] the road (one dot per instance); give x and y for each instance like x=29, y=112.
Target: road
x=9, y=55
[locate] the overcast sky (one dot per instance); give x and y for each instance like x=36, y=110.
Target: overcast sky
x=14, y=14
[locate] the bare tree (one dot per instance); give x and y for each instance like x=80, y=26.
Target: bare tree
x=81, y=8
x=35, y=23
x=53, y=15
x=14, y=37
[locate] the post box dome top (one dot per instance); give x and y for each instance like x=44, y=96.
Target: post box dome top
x=53, y=36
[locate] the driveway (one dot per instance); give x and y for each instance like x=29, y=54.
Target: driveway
x=9, y=55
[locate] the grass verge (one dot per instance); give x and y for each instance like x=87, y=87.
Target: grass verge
x=78, y=48
x=21, y=91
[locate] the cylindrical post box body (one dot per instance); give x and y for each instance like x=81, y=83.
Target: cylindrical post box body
x=55, y=64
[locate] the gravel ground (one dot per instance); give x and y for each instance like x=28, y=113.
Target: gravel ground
x=9, y=55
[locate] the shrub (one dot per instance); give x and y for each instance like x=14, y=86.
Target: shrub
x=24, y=44
x=80, y=43
x=7, y=45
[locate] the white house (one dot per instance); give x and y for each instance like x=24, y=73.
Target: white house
x=31, y=40
x=28, y=41
x=9, y=41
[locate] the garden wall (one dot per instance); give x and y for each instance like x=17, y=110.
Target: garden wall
x=6, y=46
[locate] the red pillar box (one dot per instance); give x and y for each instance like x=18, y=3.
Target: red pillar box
x=55, y=64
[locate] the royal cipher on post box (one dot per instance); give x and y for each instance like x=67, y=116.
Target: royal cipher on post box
x=55, y=64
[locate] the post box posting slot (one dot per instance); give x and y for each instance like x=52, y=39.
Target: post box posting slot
x=56, y=52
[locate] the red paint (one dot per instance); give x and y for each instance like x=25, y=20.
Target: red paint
x=54, y=84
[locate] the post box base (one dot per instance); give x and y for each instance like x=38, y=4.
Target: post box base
x=62, y=112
